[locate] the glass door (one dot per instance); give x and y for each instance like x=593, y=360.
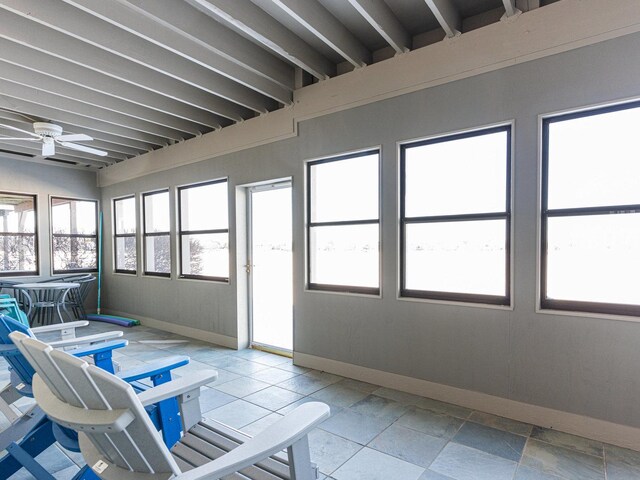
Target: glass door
x=270, y=266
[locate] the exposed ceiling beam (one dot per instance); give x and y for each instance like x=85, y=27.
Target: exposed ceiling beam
x=203, y=30
x=510, y=8
x=70, y=105
x=447, y=15
x=121, y=135
x=154, y=31
x=43, y=161
x=211, y=35
x=87, y=28
x=45, y=83
x=79, y=76
x=319, y=21
x=18, y=118
x=21, y=30
x=263, y=28
x=383, y=20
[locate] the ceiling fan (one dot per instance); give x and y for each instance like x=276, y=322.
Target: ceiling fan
x=50, y=134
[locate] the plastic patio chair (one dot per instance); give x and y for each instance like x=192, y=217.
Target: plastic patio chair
x=36, y=431
x=119, y=443
x=30, y=432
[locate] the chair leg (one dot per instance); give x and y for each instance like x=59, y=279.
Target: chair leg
x=8, y=395
x=300, y=461
x=21, y=427
x=24, y=454
x=168, y=414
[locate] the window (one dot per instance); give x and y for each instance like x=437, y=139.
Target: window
x=124, y=221
x=18, y=235
x=590, y=258
x=455, y=217
x=204, y=231
x=157, y=245
x=74, y=227
x=343, y=223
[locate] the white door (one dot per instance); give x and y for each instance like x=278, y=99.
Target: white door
x=270, y=266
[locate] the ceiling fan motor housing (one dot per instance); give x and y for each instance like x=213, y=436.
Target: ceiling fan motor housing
x=47, y=129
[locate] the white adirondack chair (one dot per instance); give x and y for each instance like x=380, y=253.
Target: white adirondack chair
x=119, y=442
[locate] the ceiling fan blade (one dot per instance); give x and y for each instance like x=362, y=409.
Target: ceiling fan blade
x=22, y=138
x=82, y=148
x=48, y=149
x=19, y=130
x=79, y=137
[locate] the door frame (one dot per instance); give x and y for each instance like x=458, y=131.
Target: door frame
x=269, y=185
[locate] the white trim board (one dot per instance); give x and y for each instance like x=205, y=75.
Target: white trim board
x=195, y=333
x=608, y=432
x=535, y=34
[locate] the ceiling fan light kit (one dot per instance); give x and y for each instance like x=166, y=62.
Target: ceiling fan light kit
x=50, y=134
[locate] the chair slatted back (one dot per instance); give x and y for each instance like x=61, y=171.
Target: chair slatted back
x=138, y=447
x=9, y=306
x=19, y=364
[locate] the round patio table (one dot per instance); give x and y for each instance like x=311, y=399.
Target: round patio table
x=44, y=300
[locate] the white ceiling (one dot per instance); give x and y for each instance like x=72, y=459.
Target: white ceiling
x=137, y=75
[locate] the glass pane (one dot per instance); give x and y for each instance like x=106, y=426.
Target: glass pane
x=345, y=189
x=156, y=212
x=73, y=216
x=126, y=253
x=158, y=254
x=204, y=208
x=345, y=255
x=272, y=271
x=74, y=253
x=125, y=215
x=17, y=253
x=457, y=177
x=206, y=255
x=457, y=257
x=594, y=258
x=17, y=214
x=594, y=161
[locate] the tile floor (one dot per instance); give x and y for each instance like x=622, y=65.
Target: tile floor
x=374, y=433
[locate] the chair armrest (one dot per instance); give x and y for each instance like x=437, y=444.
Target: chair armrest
x=281, y=434
x=177, y=387
x=59, y=326
x=98, y=348
x=156, y=368
x=98, y=337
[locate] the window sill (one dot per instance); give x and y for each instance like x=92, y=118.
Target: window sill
x=489, y=306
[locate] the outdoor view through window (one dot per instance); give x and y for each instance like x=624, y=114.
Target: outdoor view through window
x=456, y=217
x=204, y=231
x=18, y=249
x=344, y=226
x=74, y=230
x=591, y=211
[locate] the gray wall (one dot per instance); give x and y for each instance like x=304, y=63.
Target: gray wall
x=22, y=176
x=585, y=365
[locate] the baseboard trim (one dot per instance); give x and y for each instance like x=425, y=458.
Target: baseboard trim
x=183, y=330
x=608, y=432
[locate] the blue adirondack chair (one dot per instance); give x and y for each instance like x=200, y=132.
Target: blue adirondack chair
x=38, y=432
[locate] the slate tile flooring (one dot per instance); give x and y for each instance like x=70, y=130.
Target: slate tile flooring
x=374, y=433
